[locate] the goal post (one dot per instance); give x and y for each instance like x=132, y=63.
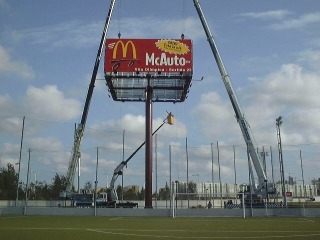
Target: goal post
x=181, y=202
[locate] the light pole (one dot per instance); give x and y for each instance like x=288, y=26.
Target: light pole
x=197, y=192
x=27, y=185
x=264, y=154
x=206, y=197
x=20, y=153
x=177, y=191
x=278, y=124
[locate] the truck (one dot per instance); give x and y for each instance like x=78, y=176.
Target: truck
x=253, y=194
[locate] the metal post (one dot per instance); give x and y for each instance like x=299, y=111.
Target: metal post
x=187, y=156
x=212, y=179
x=271, y=158
x=235, y=172
x=156, y=169
x=96, y=185
x=170, y=179
x=250, y=180
x=122, y=161
x=283, y=184
x=267, y=198
x=243, y=206
x=219, y=173
x=79, y=165
x=27, y=185
x=148, y=150
x=20, y=153
x=172, y=199
x=303, y=185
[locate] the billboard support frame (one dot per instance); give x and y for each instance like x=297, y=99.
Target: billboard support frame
x=129, y=78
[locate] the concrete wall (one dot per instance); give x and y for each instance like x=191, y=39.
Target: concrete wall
x=161, y=208
x=134, y=212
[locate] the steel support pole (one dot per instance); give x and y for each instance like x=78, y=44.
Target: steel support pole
x=20, y=154
x=148, y=150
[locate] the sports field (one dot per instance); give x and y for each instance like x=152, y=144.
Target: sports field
x=95, y=228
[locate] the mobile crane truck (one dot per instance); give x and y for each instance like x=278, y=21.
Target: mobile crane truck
x=75, y=155
x=263, y=188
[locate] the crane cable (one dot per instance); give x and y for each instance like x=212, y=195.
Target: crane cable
x=183, y=21
x=119, y=17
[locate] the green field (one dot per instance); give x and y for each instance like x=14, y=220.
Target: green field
x=95, y=228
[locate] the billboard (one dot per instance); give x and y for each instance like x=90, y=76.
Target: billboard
x=148, y=55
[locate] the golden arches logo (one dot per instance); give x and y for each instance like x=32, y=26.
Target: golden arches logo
x=124, y=49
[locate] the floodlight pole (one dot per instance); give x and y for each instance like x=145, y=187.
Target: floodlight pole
x=278, y=124
x=148, y=150
x=20, y=154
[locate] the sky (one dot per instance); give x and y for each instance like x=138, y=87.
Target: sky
x=271, y=50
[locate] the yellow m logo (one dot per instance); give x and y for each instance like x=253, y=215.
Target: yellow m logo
x=124, y=49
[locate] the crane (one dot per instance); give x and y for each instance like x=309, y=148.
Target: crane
x=263, y=188
x=75, y=155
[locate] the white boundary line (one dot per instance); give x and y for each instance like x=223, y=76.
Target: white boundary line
x=209, y=237
x=131, y=233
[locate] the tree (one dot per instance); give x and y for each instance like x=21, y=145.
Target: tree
x=8, y=183
x=164, y=193
x=59, y=184
x=130, y=194
x=119, y=191
x=141, y=194
x=192, y=188
x=88, y=187
x=39, y=191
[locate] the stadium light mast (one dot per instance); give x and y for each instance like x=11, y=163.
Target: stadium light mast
x=283, y=185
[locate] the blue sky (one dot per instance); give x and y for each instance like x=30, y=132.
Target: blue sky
x=271, y=50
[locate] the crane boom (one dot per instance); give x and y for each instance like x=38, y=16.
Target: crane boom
x=118, y=170
x=75, y=155
x=245, y=129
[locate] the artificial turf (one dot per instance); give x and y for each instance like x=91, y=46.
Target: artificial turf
x=72, y=227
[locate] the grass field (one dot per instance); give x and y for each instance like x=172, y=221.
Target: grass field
x=95, y=228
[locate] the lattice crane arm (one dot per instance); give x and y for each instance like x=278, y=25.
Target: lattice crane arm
x=244, y=126
x=75, y=155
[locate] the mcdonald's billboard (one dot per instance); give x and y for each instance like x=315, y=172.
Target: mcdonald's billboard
x=148, y=55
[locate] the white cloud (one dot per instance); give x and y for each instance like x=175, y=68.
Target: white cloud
x=134, y=126
x=18, y=68
x=4, y=102
x=302, y=21
x=275, y=14
x=291, y=92
x=163, y=28
x=66, y=34
x=289, y=87
x=11, y=125
x=284, y=22
x=213, y=112
x=311, y=57
x=77, y=34
x=50, y=103
x=45, y=144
